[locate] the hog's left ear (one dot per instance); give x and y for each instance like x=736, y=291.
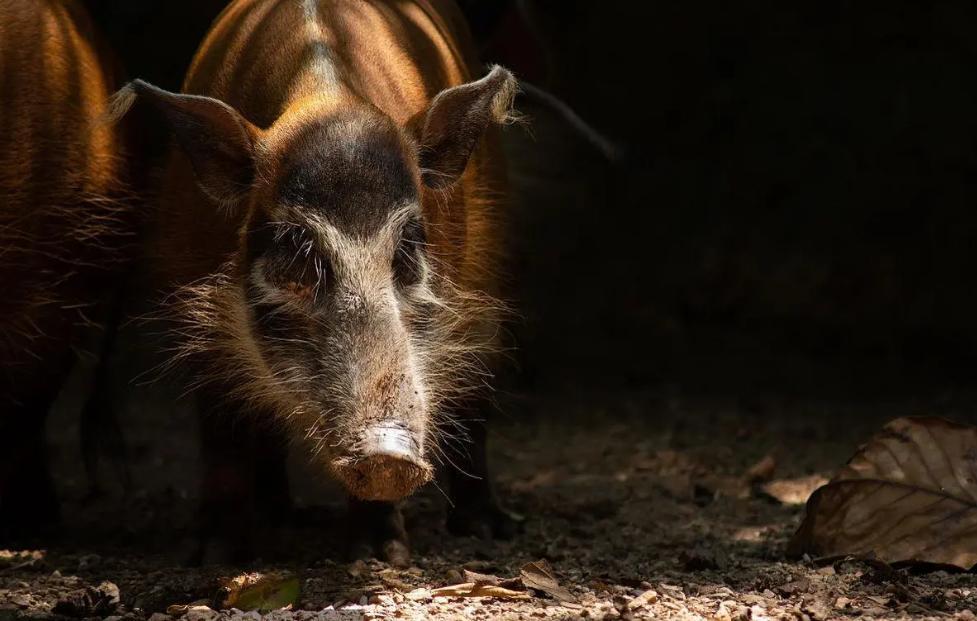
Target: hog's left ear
x=218, y=141
x=456, y=121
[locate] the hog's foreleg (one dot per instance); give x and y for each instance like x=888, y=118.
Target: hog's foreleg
x=474, y=509
x=244, y=484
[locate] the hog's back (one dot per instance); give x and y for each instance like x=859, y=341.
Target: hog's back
x=259, y=58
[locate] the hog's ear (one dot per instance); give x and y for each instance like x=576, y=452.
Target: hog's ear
x=456, y=121
x=218, y=141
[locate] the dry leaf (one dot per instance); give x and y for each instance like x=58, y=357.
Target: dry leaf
x=477, y=589
x=909, y=494
x=474, y=576
x=262, y=592
x=509, y=583
x=539, y=576
x=794, y=491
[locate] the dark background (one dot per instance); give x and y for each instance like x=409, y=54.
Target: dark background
x=798, y=185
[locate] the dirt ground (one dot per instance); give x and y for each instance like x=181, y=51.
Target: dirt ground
x=627, y=494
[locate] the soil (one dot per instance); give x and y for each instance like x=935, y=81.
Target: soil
x=649, y=493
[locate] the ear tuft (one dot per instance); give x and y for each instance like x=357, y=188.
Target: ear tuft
x=503, y=110
x=456, y=121
x=120, y=103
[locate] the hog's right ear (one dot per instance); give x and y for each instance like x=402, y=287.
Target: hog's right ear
x=456, y=120
x=218, y=141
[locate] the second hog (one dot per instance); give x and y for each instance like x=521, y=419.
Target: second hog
x=327, y=234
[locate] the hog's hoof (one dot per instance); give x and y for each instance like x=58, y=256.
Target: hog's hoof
x=393, y=551
x=484, y=521
x=376, y=530
x=396, y=553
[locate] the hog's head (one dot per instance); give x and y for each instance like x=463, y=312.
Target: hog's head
x=336, y=313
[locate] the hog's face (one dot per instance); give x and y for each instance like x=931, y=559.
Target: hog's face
x=340, y=290
x=337, y=315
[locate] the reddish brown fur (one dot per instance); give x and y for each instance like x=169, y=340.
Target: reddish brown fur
x=64, y=230
x=395, y=56
x=60, y=218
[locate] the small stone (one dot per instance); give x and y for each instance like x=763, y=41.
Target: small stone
x=159, y=616
x=730, y=610
x=453, y=576
x=801, y=585
x=201, y=613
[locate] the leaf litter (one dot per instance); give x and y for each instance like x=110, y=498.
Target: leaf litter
x=662, y=516
x=536, y=577
x=908, y=495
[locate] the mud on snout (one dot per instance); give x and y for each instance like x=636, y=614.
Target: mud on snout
x=385, y=464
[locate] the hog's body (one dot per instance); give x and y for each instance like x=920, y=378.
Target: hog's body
x=62, y=230
x=327, y=235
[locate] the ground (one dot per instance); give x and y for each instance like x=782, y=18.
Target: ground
x=626, y=493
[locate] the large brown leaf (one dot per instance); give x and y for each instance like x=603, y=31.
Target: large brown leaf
x=908, y=495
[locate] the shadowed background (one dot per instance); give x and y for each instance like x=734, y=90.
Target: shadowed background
x=797, y=180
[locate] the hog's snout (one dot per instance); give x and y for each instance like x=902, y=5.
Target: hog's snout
x=386, y=464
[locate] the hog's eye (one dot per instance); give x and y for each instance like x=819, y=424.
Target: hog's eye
x=407, y=265
x=298, y=271
x=303, y=278
x=298, y=289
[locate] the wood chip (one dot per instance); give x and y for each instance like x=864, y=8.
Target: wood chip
x=648, y=597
